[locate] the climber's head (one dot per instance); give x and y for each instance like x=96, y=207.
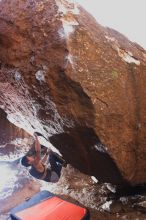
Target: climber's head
x=27, y=160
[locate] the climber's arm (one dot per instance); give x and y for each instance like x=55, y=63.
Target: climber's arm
x=37, y=149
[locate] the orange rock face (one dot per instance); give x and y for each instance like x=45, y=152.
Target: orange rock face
x=76, y=82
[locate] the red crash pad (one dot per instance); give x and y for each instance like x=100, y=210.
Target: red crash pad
x=53, y=209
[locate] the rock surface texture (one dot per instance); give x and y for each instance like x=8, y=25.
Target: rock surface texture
x=76, y=82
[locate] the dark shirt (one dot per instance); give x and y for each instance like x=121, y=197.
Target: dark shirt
x=35, y=173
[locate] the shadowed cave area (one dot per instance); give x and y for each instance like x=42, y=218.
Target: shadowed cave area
x=84, y=151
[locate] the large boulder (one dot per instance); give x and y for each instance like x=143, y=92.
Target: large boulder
x=78, y=83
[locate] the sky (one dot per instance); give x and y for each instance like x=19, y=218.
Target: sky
x=125, y=16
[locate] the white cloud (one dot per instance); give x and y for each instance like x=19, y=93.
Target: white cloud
x=125, y=16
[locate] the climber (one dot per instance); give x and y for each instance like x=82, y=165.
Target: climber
x=37, y=165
